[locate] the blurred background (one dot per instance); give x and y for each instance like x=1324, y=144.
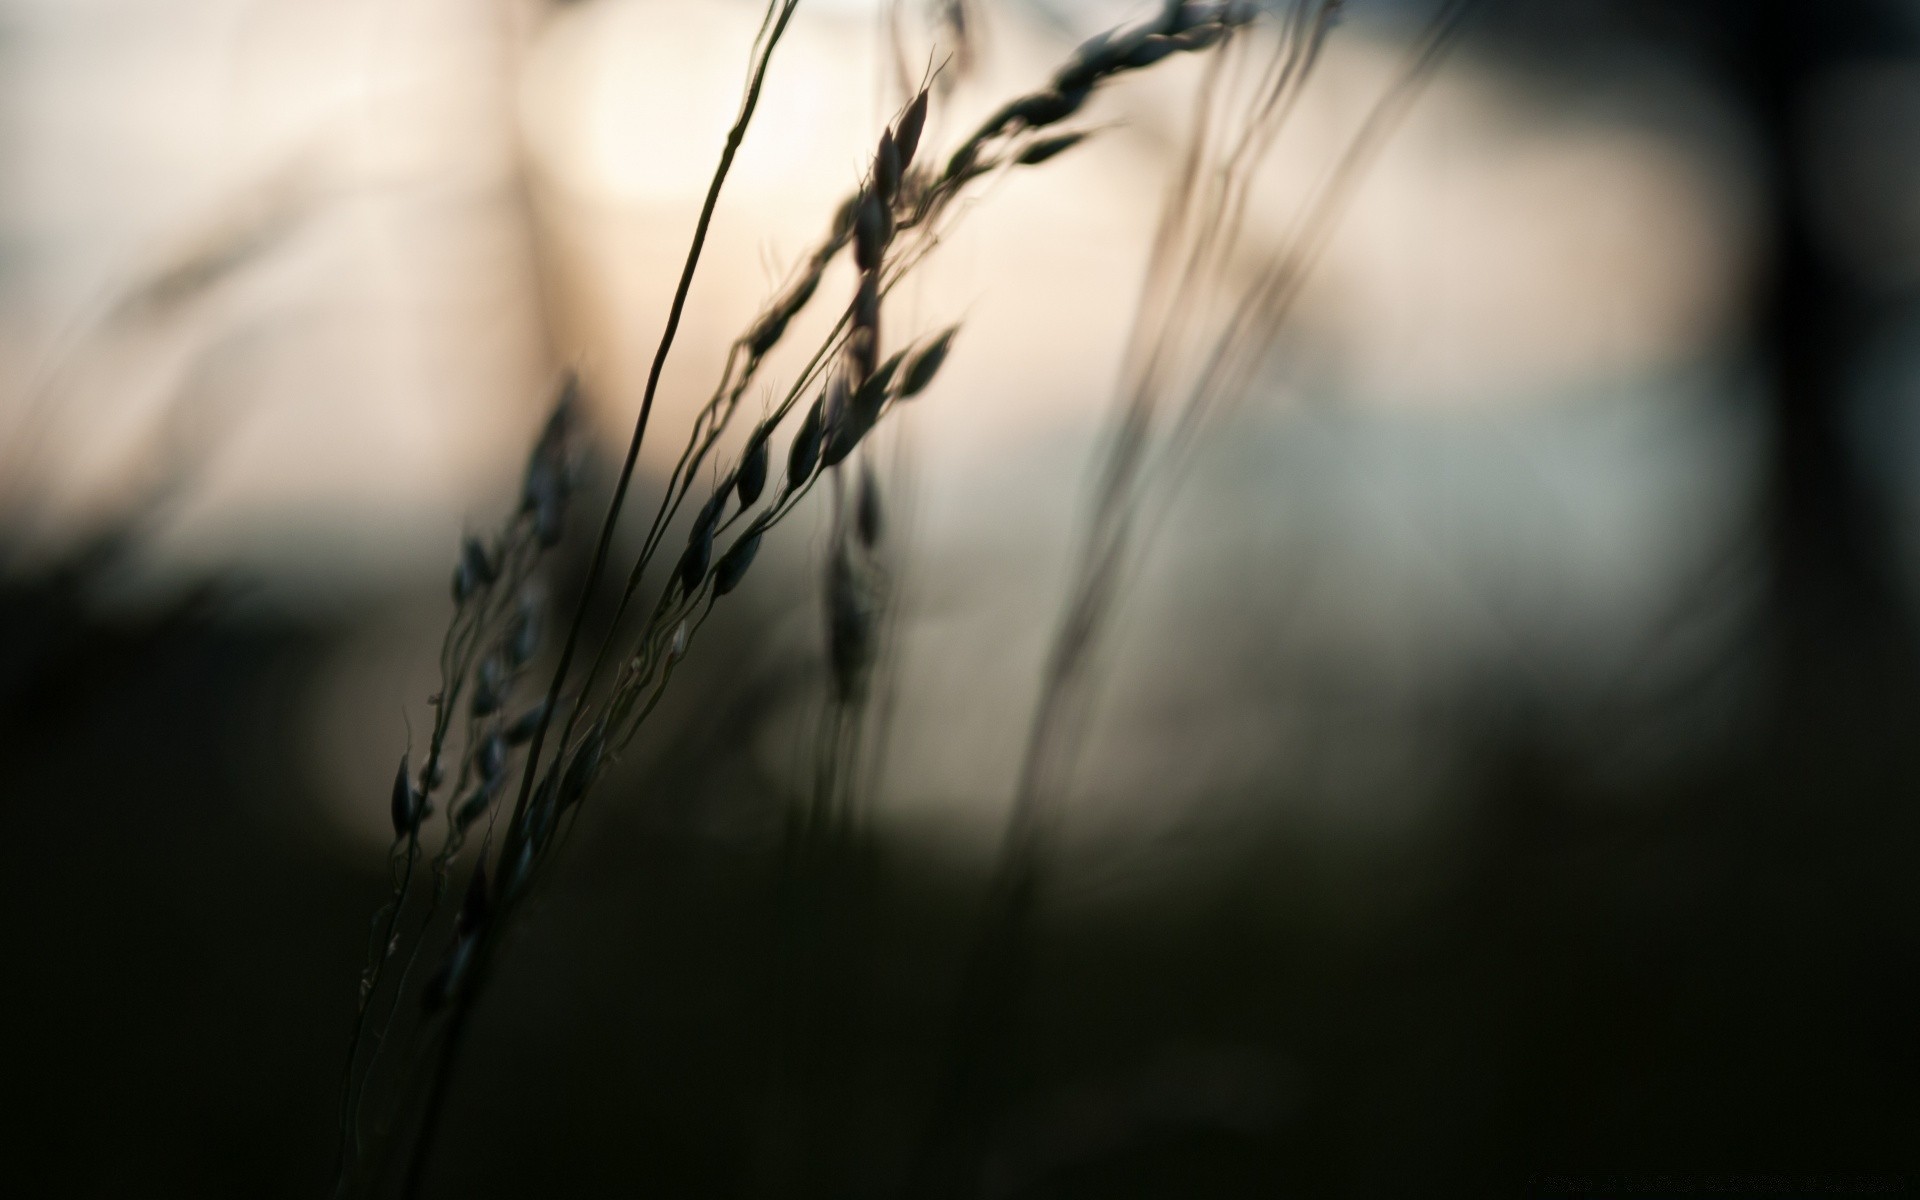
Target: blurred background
x=1505, y=759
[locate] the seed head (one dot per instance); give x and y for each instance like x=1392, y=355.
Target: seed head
x=805, y=451
x=1150, y=51
x=1097, y=56
x=474, y=557
x=906, y=134
x=886, y=168
x=753, y=468
x=523, y=636
x=406, y=802
x=1044, y=149
x=545, y=484
x=872, y=228
x=926, y=364
x=693, y=562
x=866, y=306
x=492, y=758
x=767, y=333
x=862, y=351
x=1044, y=108
x=734, y=563
x=472, y=808
x=860, y=412
x=964, y=164
x=489, y=687
x=1200, y=37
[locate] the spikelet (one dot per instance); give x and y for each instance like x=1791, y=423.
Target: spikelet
x=926, y=364
x=906, y=133
x=734, y=563
x=752, y=478
x=489, y=687
x=406, y=802
x=804, y=454
x=1040, y=151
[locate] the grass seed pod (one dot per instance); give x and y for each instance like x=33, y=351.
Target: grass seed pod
x=886, y=168
x=523, y=636
x=927, y=363
x=805, y=451
x=489, y=687
x=547, y=470
x=709, y=514
x=870, y=231
x=767, y=333
x=474, y=557
x=805, y=286
x=963, y=164
x=841, y=440
x=1040, y=151
x=858, y=415
x=472, y=808
x=1097, y=56
x=693, y=562
x=492, y=757
x=406, y=802
x=862, y=350
x=734, y=563
x=872, y=396
x=906, y=134
x=753, y=468
x=1200, y=37
x=1150, y=51
x=1044, y=108
x=866, y=306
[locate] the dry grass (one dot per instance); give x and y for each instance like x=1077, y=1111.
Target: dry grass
x=551, y=750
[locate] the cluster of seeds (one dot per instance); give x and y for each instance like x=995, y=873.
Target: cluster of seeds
x=902, y=196
x=897, y=216
x=493, y=638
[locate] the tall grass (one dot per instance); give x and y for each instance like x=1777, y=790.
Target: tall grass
x=496, y=733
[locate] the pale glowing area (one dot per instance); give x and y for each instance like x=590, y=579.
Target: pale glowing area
x=278, y=239
x=388, y=339
x=419, y=212
x=1501, y=251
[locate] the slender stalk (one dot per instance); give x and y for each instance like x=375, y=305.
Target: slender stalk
x=735, y=136
x=779, y=13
